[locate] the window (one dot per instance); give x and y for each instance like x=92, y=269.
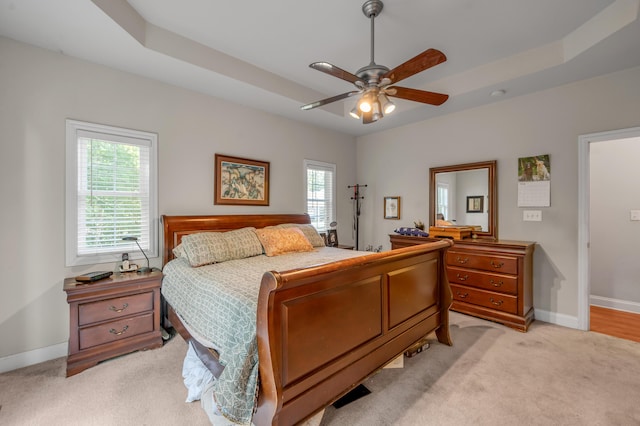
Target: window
x=443, y=200
x=111, y=192
x=320, y=184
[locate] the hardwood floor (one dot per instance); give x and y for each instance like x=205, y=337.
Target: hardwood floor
x=612, y=322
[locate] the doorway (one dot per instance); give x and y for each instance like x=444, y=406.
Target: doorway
x=615, y=303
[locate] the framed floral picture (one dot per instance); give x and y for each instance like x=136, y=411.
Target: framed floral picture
x=240, y=181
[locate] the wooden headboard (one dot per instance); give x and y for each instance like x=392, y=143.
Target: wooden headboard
x=177, y=226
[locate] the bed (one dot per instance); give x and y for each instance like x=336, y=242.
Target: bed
x=322, y=329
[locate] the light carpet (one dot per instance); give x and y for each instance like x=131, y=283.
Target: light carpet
x=492, y=375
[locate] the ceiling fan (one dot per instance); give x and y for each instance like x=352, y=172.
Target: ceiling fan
x=374, y=82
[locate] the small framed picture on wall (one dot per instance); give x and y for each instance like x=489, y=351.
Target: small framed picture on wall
x=475, y=204
x=392, y=207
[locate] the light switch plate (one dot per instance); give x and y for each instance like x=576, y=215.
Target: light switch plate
x=532, y=215
x=635, y=214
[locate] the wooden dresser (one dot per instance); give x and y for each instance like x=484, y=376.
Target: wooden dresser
x=112, y=317
x=490, y=279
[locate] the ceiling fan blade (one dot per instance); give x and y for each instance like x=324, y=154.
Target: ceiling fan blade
x=416, y=95
x=427, y=59
x=327, y=68
x=328, y=100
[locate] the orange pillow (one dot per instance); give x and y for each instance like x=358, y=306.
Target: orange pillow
x=278, y=241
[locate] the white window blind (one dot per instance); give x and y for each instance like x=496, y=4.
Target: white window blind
x=443, y=201
x=111, y=193
x=320, y=184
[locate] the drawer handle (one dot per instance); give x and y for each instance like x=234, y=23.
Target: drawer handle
x=118, y=333
x=496, y=283
x=462, y=295
x=497, y=265
x=462, y=260
x=114, y=309
x=462, y=277
x=498, y=303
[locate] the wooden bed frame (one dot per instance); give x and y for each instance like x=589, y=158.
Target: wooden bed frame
x=322, y=330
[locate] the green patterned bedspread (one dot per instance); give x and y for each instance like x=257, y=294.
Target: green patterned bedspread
x=219, y=302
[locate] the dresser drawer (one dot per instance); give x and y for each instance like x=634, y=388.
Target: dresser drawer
x=501, y=264
x=115, y=330
x=488, y=299
x=494, y=282
x=103, y=310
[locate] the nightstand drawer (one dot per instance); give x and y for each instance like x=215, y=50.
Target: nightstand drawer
x=503, y=265
x=488, y=299
x=483, y=280
x=115, y=330
x=103, y=310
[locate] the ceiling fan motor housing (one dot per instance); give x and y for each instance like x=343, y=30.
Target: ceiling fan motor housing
x=372, y=73
x=372, y=8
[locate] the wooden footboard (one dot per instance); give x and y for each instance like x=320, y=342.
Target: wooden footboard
x=323, y=330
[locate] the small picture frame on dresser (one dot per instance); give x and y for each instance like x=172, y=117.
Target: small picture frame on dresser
x=332, y=238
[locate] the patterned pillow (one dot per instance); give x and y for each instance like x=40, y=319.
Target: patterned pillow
x=243, y=243
x=205, y=248
x=309, y=231
x=411, y=231
x=278, y=241
x=178, y=251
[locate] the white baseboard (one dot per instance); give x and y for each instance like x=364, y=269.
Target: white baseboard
x=556, y=318
x=36, y=356
x=620, y=305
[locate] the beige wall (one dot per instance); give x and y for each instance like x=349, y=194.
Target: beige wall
x=397, y=162
x=39, y=89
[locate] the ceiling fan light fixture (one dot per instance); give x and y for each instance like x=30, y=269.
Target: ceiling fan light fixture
x=376, y=111
x=364, y=104
x=387, y=106
x=376, y=83
x=376, y=107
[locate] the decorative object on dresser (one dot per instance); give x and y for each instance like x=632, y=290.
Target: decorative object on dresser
x=332, y=237
x=490, y=279
x=454, y=232
x=111, y=317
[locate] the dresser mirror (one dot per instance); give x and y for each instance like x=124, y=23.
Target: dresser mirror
x=465, y=195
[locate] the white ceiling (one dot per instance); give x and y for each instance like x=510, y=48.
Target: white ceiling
x=257, y=52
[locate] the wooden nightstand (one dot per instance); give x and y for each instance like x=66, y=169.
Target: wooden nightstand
x=346, y=247
x=112, y=317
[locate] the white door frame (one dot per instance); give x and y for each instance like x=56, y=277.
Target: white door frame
x=584, y=282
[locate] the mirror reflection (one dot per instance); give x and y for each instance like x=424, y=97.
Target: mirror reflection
x=464, y=195
x=461, y=198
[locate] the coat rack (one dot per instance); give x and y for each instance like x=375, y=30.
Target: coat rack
x=356, y=207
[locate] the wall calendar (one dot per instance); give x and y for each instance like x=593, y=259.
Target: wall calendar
x=534, y=181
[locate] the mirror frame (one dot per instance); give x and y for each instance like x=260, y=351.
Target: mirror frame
x=492, y=186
